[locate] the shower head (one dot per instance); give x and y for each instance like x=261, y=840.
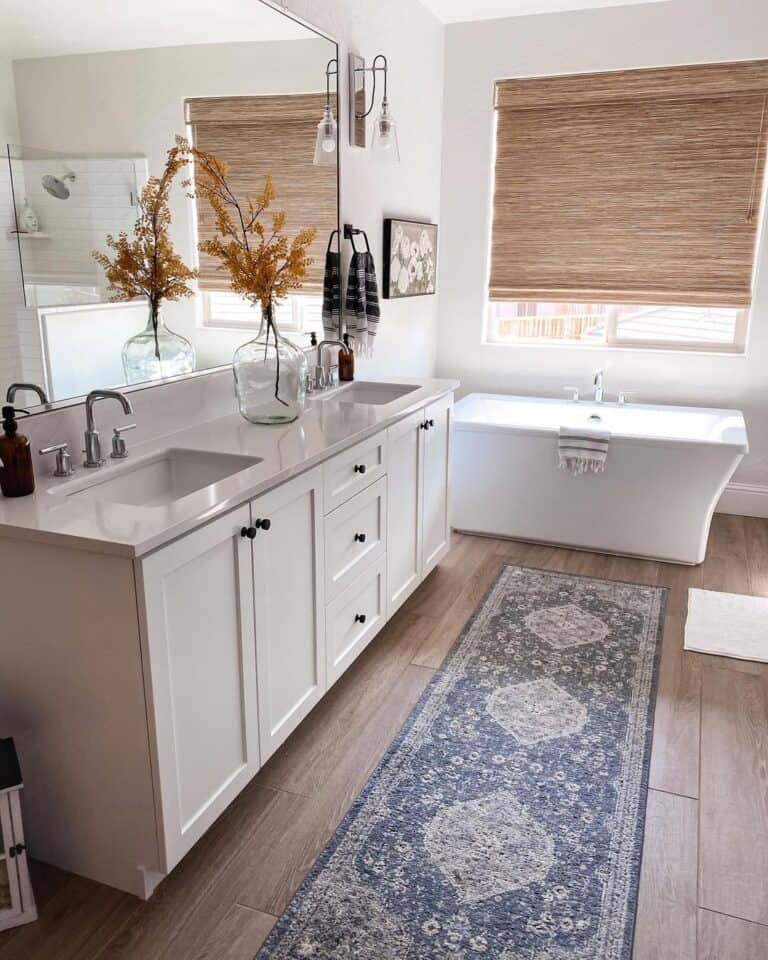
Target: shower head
x=56, y=186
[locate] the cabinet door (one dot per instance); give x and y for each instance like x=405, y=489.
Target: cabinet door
x=436, y=442
x=404, y=527
x=198, y=626
x=289, y=605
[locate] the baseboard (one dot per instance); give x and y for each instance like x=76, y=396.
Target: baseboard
x=744, y=500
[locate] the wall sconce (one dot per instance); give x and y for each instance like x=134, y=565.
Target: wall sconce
x=327, y=132
x=385, y=144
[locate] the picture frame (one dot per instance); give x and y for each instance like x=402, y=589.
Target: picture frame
x=412, y=272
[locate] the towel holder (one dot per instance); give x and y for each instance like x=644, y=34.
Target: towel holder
x=330, y=240
x=351, y=232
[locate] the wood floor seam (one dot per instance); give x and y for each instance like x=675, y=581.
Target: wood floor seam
x=672, y=793
x=245, y=906
x=730, y=916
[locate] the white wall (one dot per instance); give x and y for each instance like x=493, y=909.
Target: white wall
x=413, y=40
x=651, y=35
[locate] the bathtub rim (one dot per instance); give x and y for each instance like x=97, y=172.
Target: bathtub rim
x=736, y=446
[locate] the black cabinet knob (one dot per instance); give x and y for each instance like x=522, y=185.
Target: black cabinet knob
x=249, y=532
x=431, y=423
x=360, y=618
x=360, y=468
x=424, y=426
x=359, y=538
x=263, y=524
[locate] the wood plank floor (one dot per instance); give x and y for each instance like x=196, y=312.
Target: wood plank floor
x=704, y=883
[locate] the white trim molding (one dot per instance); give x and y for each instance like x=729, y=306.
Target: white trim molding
x=744, y=500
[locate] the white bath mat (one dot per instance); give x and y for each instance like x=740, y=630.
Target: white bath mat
x=727, y=625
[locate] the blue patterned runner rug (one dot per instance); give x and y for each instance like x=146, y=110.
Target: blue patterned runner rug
x=506, y=820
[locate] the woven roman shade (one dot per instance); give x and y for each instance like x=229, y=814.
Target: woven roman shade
x=641, y=186
x=268, y=135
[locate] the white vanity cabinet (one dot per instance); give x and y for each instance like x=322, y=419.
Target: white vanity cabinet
x=289, y=604
x=435, y=524
x=418, y=517
x=200, y=672
x=233, y=623
x=159, y=684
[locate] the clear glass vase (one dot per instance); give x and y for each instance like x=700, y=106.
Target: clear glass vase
x=157, y=352
x=271, y=375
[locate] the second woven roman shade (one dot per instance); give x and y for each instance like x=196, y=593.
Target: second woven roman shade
x=273, y=135
x=639, y=186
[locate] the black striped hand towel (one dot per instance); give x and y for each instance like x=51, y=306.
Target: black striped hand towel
x=332, y=296
x=583, y=449
x=363, y=301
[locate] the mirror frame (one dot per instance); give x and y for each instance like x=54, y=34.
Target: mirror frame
x=42, y=409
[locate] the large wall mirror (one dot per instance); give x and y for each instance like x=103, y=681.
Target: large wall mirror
x=98, y=103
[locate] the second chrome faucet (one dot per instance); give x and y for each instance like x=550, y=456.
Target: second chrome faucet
x=92, y=451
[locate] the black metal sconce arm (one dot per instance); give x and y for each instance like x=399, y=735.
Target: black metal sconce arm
x=374, y=69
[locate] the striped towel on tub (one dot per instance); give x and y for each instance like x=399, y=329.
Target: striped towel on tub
x=583, y=449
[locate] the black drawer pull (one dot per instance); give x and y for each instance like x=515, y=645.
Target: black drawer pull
x=249, y=532
x=360, y=468
x=359, y=538
x=360, y=618
x=263, y=524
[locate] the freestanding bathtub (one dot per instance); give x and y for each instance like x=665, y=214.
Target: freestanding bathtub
x=667, y=467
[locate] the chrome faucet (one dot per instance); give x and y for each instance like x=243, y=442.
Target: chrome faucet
x=321, y=381
x=32, y=387
x=599, y=386
x=92, y=449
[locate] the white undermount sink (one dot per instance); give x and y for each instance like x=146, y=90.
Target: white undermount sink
x=378, y=394
x=159, y=480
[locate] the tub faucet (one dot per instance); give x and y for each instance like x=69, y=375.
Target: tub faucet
x=92, y=450
x=599, y=386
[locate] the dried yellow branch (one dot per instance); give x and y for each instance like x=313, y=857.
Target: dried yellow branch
x=147, y=265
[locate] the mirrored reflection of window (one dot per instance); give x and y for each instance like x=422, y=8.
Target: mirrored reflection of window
x=268, y=136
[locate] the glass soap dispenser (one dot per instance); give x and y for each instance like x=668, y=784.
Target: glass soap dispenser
x=17, y=475
x=346, y=361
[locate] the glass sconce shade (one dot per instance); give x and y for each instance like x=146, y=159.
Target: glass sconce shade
x=327, y=138
x=386, y=148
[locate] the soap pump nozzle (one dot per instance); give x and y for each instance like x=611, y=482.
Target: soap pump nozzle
x=10, y=424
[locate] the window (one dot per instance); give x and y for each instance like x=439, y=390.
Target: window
x=627, y=206
x=718, y=329
x=295, y=314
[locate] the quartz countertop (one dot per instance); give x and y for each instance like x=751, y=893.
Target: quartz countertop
x=328, y=425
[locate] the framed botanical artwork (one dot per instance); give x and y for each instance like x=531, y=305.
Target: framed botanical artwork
x=410, y=259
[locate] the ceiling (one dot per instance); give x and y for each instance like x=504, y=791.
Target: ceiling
x=47, y=28
x=455, y=11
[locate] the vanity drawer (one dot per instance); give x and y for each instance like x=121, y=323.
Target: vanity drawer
x=353, y=619
x=355, y=535
x=354, y=470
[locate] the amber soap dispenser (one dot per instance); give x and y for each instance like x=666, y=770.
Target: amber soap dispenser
x=17, y=475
